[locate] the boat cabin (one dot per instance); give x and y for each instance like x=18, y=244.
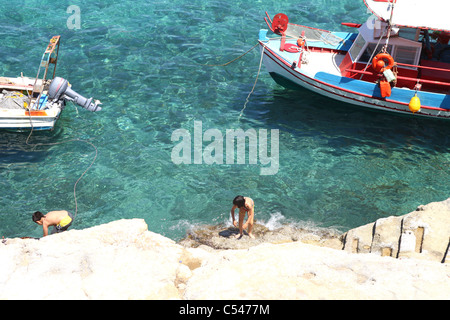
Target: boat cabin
x=417, y=54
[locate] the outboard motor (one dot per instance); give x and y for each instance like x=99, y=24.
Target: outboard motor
x=59, y=89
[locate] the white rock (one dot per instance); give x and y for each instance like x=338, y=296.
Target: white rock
x=123, y=260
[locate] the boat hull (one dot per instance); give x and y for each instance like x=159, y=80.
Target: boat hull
x=290, y=76
x=19, y=120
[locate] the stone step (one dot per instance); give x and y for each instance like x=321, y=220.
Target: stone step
x=422, y=234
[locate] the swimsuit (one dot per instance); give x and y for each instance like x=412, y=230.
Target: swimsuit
x=64, y=224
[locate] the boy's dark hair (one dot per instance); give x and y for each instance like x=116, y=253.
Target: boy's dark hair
x=239, y=201
x=37, y=216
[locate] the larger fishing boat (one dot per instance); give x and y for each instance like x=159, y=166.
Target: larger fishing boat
x=36, y=103
x=397, y=61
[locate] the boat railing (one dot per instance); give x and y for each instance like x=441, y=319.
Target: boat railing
x=422, y=67
x=411, y=79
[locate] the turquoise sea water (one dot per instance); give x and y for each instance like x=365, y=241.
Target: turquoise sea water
x=339, y=166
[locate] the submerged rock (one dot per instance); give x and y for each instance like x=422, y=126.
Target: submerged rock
x=222, y=237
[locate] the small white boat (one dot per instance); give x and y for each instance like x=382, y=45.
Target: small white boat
x=398, y=61
x=36, y=103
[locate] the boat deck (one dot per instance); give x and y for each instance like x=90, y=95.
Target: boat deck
x=319, y=58
x=319, y=61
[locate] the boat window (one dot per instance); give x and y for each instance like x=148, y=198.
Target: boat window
x=369, y=52
x=357, y=46
x=409, y=33
x=405, y=54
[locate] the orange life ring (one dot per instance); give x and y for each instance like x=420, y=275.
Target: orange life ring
x=382, y=62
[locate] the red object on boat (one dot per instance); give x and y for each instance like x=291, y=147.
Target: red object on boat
x=382, y=62
x=351, y=24
x=385, y=88
x=280, y=23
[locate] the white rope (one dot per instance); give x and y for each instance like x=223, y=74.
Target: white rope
x=254, y=85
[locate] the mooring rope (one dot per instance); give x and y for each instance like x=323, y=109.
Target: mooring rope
x=254, y=85
x=225, y=64
x=257, y=76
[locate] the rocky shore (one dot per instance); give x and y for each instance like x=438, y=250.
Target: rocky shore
x=422, y=234
x=405, y=257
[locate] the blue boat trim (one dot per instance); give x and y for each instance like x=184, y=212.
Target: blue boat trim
x=371, y=89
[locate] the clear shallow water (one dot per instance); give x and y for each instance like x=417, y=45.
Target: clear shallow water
x=339, y=166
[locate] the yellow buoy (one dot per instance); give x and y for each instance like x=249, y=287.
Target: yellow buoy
x=414, y=104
